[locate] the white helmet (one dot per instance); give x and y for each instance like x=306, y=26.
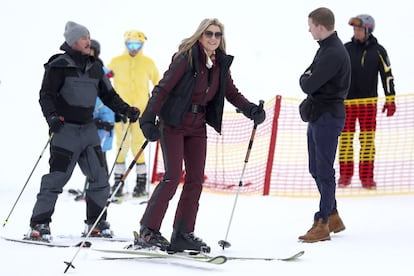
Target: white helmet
x=363, y=20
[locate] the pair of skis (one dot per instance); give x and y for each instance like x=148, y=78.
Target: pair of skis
x=198, y=257
x=123, y=254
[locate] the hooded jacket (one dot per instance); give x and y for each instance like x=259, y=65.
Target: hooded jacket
x=132, y=76
x=70, y=85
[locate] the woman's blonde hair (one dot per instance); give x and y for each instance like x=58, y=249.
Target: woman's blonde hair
x=188, y=43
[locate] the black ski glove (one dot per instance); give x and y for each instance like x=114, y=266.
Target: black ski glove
x=103, y=125
x=132, y=113
x=120, y=118
x=148, y=126
x=254, y=112
x=55, y=123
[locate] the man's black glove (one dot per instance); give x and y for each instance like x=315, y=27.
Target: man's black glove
x=254, y=112
x=103, y=125
x=120, y=118
x=132, y=113
x=148, y=126
x=55, y=123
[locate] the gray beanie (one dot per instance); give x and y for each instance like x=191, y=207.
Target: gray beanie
x=74, y=31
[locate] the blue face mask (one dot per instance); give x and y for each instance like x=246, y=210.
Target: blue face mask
x=134, y=45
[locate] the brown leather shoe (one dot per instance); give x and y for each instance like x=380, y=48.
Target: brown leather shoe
x=318, y=232
x=335, y=223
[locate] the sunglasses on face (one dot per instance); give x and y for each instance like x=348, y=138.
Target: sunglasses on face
x=209, y=34
x=134, y=45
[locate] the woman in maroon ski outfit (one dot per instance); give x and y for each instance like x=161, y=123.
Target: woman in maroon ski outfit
x=191, y=94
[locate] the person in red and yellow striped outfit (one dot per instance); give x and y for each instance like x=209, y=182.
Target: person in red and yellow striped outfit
x=368, y=58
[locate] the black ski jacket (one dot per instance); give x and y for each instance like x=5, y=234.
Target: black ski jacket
x=367, y=59
x=70, y=85
x=330, y=76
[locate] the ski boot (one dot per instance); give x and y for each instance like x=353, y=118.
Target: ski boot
x=117, y=181
x=181, y=241
x=140, y=187
x=39, y=232
x=148, y=238
x=101, y=230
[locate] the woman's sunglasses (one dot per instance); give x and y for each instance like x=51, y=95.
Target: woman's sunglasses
x=209, y=34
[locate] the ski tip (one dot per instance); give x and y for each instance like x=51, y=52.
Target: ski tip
x=293, y=257
x=218, y=260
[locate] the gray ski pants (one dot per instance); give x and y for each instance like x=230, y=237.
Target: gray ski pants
x=73, y=144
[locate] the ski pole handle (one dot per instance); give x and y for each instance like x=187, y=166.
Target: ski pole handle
x=261, y=103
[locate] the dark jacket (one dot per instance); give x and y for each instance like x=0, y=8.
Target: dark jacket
x=328, y=84
x=70, y=85
x=367, y=59
x=184, y=84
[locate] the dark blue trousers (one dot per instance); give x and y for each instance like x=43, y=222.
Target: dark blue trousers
x=322, y=145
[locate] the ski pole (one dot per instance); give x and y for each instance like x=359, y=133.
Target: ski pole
x=25, y=184
x=118, y=153
x=224, y=243
x=148, y=177
x=124, y=176
x=119, y=150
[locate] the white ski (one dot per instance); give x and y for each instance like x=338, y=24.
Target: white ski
x=161, y=254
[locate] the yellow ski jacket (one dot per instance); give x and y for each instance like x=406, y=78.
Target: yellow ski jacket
x=132, y=76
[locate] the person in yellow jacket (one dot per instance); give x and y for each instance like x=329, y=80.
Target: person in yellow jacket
x=132, y=74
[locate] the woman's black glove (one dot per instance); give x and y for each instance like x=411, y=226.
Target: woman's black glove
x=148, y=126
x=254, y=112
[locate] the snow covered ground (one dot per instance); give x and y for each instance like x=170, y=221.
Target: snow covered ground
x=377, y=240
x=272, y=46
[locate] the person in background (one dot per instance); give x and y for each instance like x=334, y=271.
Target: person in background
x=327, y=82
x=368, y=58
x=71, y=83
x=190, y=95
x=103, y=116
x=133, y=72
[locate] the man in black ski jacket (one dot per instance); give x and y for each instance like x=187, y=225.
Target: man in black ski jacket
x=326, y=81
x=70, y=85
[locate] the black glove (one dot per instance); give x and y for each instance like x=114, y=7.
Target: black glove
x=120, y=118
x=103, y=125
x=55, y=123
x=148, y=126
x=254, y=112
x=132, y=113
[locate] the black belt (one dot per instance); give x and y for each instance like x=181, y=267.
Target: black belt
x=195, y=108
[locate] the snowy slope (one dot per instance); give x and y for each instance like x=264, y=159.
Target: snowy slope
x=272, y=46
x=376, y=240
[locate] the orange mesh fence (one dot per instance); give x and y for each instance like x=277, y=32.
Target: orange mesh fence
x=278, y=161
